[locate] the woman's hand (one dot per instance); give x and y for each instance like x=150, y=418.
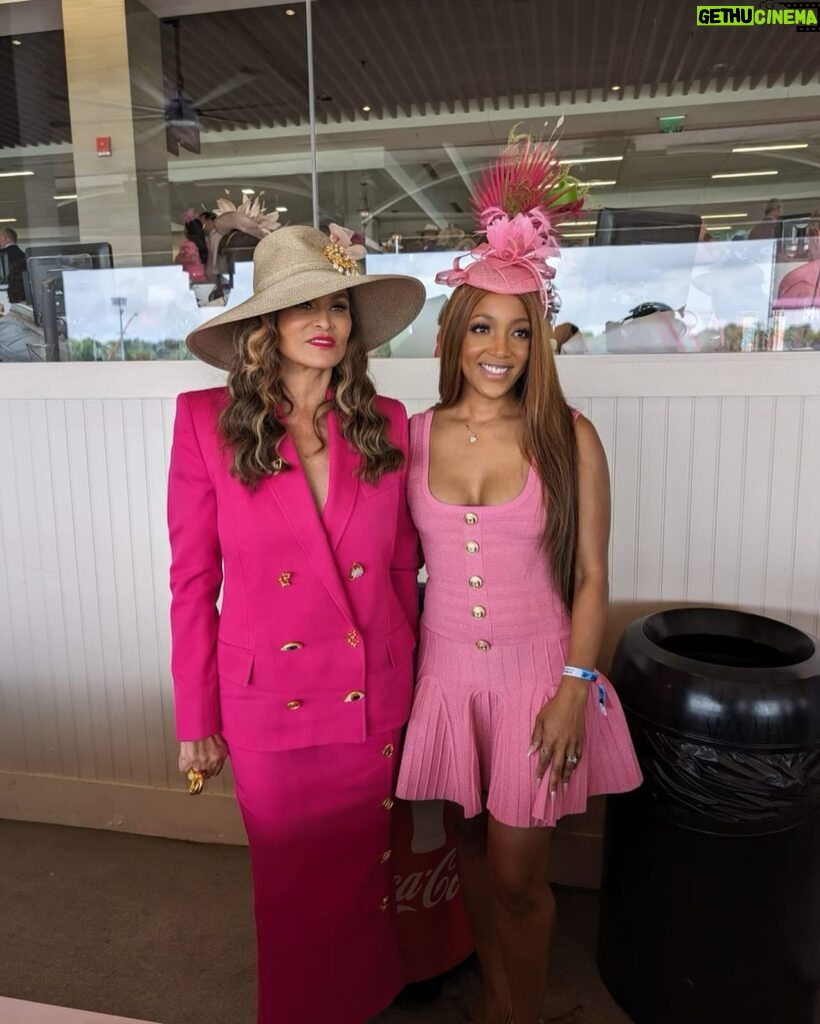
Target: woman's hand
x=206, y=756
x=558, y=735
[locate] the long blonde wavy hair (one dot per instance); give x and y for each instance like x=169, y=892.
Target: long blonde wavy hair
x=252, y=424
x=548, y=433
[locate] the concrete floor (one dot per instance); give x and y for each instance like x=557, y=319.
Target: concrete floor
x=161, y=931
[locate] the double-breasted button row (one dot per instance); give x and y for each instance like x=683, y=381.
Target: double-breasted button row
x=355, y=572
x=352, y=698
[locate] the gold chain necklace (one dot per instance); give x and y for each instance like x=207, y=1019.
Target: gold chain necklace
x=473, y=435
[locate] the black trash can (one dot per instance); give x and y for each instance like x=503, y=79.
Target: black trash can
x=710, y=901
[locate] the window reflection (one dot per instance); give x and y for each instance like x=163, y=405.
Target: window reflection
x=703, y=227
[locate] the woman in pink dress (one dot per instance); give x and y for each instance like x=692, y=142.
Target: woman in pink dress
x=293, y=613
x=509, y=490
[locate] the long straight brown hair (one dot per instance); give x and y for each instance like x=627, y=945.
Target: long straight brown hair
x=548, y=440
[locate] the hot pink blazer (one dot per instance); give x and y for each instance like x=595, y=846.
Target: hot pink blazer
x=313, y=642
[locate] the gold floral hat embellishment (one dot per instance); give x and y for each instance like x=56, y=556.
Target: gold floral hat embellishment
x=341, y=252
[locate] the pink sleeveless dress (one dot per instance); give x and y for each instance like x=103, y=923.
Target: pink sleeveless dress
x=494, y=638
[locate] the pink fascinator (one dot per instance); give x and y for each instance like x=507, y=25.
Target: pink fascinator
x=519, y=202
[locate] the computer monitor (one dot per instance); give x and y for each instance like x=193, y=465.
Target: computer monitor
x=43, y=271
x=98, y=252
x=645, y=227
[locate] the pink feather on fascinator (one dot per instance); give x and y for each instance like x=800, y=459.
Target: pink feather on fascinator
x=344, y=239
x=518, y=203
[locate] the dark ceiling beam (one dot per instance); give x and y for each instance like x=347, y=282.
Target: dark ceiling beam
x=672, y=39
x=614, y=11
x=468, y=88
x=656, y=15
x=634, y=35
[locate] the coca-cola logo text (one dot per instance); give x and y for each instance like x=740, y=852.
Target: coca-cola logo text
x=423, y=890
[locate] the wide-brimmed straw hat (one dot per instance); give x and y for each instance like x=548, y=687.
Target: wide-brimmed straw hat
x=296, y=264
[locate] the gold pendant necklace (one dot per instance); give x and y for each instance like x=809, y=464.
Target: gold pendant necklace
x=472, y=433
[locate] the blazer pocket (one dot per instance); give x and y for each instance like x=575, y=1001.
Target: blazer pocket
x=233, y=664
x=401, y=643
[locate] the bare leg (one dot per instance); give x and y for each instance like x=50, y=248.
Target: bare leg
x=525, y=912
x=471, y=843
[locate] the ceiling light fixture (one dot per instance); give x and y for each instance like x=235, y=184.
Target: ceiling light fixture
x=722, y=216
x=615, y=88
x=17, y=42
x=8, y=220
x=366, y=110
x=578, y=224
x=248, y=191
x=568, y=161
x=281, y=209
x=579, y=234
x=68, y=195
x=766, y=149
x=16, y=174
x=598, y=182
x=747, y=174
x=290, y=12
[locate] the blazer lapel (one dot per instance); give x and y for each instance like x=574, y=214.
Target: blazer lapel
x=292, y=494
x=343, y=487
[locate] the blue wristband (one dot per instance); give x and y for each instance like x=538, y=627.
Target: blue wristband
x=590, y=675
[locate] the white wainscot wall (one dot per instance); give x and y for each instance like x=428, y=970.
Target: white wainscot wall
x=716, y=500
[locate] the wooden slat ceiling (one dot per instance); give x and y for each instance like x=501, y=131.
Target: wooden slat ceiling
x=401, y=57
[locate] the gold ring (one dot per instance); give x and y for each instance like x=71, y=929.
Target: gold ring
x=196, y=781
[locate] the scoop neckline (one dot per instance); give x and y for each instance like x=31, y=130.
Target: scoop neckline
x=522, y=494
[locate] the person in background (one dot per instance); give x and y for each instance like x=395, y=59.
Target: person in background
x=294, y=610
x=509, y=489
x=563, y=335
x=430, y=238
x=206, y=218
x=16, y=259
x=800, y=288
x=770, y=226
x=192, y=254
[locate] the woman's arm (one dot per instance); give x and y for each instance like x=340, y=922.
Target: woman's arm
x=196, y=578
x=591, y=599
x=560, y=725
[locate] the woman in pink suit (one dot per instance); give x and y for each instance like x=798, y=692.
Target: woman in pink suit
x=287, y=495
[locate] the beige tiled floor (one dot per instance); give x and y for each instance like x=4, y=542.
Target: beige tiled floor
x=114, y=923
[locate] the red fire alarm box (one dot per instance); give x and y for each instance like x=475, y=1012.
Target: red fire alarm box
x=103, y=145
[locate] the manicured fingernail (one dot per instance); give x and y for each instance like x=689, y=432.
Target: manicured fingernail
x=532, y=750
x=552, y=794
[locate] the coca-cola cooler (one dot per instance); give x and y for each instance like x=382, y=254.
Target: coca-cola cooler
x=433, y=929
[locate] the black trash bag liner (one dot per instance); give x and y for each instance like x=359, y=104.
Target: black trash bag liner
x=720, y=790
